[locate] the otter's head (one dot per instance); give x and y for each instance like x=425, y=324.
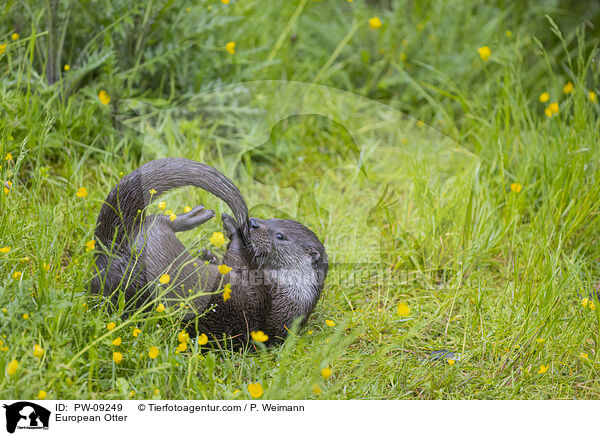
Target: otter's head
x=287, y=245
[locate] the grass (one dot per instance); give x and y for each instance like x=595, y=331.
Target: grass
x=493, y=275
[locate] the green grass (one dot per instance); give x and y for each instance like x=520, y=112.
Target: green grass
x=493, y=275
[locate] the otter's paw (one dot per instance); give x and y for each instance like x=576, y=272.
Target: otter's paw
x=208, y=256
x=193, y=218
x=230, y=225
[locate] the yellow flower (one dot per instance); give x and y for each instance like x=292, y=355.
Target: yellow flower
x=508, y=33
x=592, y=305
x=67, y=67
x=315, y=387
x=4, y=250
x=584, y=355
x=136, y=332
x=82, y=192
x=516, y=187
x=374, y=23
x=544, y=97
x=42, y=395
x=2, y=48
x=225, y=2
x=131, y=394
x=172, y=217
x=592, y=96
x=548, y=112
x=310, y=332
x=14, y=36
x=227, y=292
x=12, y=367
x=110, y=325
x=584, y=302
x=540, y=340
x=152, y=191
x=217, y=239
x=8, y=156
x=403, y=310
x=38, y=351
x=230, y=47
x=156, y=391
x=543, y=369
x=46, y=266
x=7, y=187
x=90, y=245
x=153, y=352
x=117, y=341
x=329, y=322
x=117, y=357
x=183, y=336
x=553, y=108
x=451, y=362
x=164, y=279
x=160, y=308
x=224, y=269
x=162, y=205
x=182, y=347
x=187, y=209
x=256, y=390
x=17, y=275
x=202, y=339
x=568, y=88
x=259, y=336
x=326, y=372
x=484, y=52
x=103, y=97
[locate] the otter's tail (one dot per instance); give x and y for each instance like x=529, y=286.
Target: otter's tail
x=125, y=202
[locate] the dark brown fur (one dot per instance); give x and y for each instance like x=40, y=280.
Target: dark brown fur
x=278, y=266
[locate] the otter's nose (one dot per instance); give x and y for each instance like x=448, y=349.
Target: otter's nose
x=254, y=223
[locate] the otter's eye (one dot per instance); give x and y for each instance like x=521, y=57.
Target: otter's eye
x=279, y=236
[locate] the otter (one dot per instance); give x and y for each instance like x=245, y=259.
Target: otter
x=278, y=266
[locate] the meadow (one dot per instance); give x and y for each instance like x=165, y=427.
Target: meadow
x=445, y=152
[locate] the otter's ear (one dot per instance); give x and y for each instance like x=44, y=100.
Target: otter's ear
x=315, y=256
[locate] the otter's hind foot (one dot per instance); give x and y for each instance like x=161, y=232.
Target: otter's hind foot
x=192, y=219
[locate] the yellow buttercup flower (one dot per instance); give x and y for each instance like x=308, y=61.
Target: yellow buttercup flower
x=183, y=336
x=227, y=292
x=8, y=157
x=131, y=394
x=230, y=47
x=17, y=275
x=484, y=53
x=584, y=355
x=316, y=389
x=160, y=308
x=81, y=192
x=12, y=367
x=187, y=209
x=153, y=352
x=310, y=332
x=326, y=372
x=259, y=336
x=544, y=97
x=67, y=67
x=403, y=310
x=7, y=187
x=217, y=239
x=255, y=390
x=162, y=205
x=202, y=339
x=592, y=96
x=14, y=36
x=25, y=316
x=110, y=325
x=508, y=33
x=117, y=341
x=182, y=347
x=90, y=245
x=103, y=97
x=451, y=362
x=172, y=217
x=117, y=357
x=2, y=48
x=4, y=250
x=225, y=2
x=568, y=88
x=330, y=323
x=543, y=369
x=164, y=279
x=136, y=332
x=516, y=187
x=42, y=395
x=375, y=23
x=584, y=302
x=38, y=351
x=553, y=108
x=540, y=340
x=224, y=269
x=152, y=191
x=592, y=305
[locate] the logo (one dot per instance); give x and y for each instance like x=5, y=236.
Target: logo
x=26, y=415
